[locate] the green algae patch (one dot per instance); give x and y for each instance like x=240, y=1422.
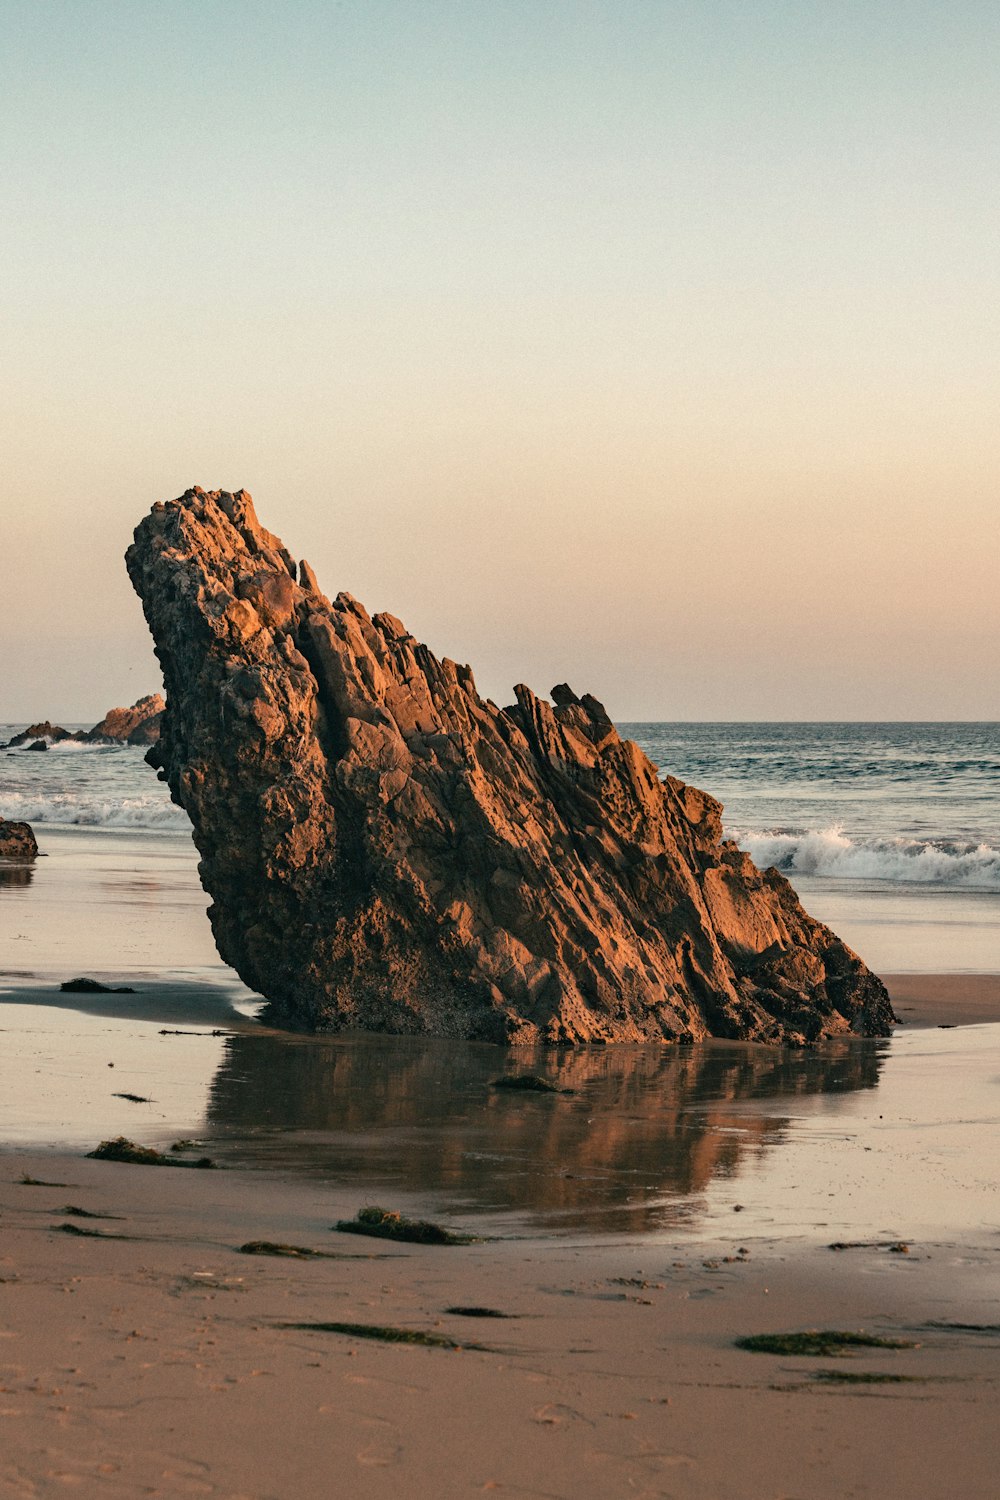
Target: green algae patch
x=386, y=1334
x=816, y=1343
x=527, y=1083
x=385, y=1224
x=122, y=1149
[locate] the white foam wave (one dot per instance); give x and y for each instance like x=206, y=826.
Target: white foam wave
x=66, y=809
x=829, y=852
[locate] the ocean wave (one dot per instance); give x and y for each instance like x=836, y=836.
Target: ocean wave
x=72, y=810
x=829, y=852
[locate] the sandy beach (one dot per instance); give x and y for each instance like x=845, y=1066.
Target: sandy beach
x=148, y=1355
x=160, y=1360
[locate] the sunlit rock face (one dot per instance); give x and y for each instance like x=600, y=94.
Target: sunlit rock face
x=138, y=725
x=386, y=850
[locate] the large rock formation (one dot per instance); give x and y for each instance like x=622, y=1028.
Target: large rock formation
x=387, y=850
x=138, y=725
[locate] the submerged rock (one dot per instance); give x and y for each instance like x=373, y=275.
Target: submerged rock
x=17, y=840
x=387, y=850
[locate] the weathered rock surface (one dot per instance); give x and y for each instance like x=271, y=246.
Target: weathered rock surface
x=34, y=732
x=17, y=840
x=384, y=849
x=138, y=725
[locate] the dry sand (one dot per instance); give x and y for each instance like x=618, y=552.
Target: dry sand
x=156, y=1359
x=158, y=1364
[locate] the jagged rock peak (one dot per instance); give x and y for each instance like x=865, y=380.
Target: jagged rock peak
x=387, y=850
x=137, y=725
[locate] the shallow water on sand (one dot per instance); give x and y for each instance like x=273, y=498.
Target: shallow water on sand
x=857, y=1139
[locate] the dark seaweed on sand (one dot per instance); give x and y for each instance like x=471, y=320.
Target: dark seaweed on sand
x=478, y=1312
x=89, y=1234
x=383, y=1223
x=387, y=1334
x=83, y=1213
x=273, y=1247
x=531, y=1083
x=122, y=1149
x=818, y=1343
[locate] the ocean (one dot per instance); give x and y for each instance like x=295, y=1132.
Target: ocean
x=889, y=832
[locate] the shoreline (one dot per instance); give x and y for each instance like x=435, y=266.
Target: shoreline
x=921, y=1000
x=164, y=1362
x=219, y=999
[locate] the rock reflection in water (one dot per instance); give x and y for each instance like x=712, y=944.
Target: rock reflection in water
x=642, y=1135
x=16, y=873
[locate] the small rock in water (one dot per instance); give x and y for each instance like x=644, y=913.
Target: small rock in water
x=17, y=840
x=85, y=986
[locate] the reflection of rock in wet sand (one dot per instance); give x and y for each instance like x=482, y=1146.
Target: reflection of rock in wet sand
x=643, y=1124
x=16, y=873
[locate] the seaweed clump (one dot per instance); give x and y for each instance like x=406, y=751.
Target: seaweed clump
x=385, y=1224
x=815, y=1342
x=122, y=1149
x=387, y=1334
x=531, y=1083
x=273, y=1247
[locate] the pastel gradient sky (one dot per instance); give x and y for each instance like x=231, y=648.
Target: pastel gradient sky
x=650, y=346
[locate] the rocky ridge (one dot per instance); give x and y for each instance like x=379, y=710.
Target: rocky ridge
x=385, y=849
x=137, y=725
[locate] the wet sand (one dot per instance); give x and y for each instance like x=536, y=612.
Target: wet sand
x=160, y=1362
x=945, y=999
x=217, y=998
x=149, y=1356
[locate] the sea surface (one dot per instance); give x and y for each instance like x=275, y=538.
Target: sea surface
x=890, y=832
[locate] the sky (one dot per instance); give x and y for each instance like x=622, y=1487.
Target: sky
x=651, y=347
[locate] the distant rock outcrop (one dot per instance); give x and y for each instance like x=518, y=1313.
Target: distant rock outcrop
x=17, y=840
x=45, y=732
x=384, y=849
x=138, y=725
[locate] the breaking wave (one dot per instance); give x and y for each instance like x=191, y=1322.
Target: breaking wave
x=79, y=809
x=829, y=852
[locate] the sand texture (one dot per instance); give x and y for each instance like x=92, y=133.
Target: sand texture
x=159, y=1360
